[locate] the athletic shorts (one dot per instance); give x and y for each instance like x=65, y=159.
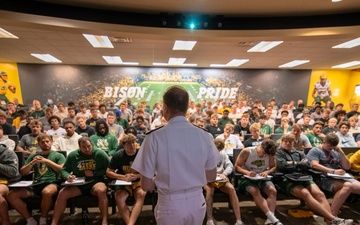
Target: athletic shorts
x=286, y=185
x=245, y=184
x=129, y=188
x=37, y=189
x=327, y=183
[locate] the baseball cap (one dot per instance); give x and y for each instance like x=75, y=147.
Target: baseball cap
x=118, y=112
x=3, y=73
x=323, y=76
x=340, y=104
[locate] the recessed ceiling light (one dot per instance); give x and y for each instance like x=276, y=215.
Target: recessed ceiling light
x=6, y=34
x=116, y=60
x=294, y=63
x=131, y=63
x=232, y=63
x=113, y=59
x=217, y=65
x=184, y=45
x=347, y=65
x=160, y=64
x=349, y=44
x=189, y=64
x=98, y=41
x=237, y=62
x=264, y=46
x=176, y=61
x=46, y=58
x=336, y=0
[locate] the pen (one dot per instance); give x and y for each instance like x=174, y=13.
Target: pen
x=116, y=170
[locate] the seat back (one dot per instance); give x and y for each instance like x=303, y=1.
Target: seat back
x=236, y=152
x=276, y=138
x=15, y=138
x=63, y=152
x=9, y=120
x=21, y=159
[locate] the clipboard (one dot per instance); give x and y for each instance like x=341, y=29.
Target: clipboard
x=77, y=182
x=121, y=183
x=24, y=183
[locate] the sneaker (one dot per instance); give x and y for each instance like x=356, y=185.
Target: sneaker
x=42, y=221
x=239, y=222
x=277, y=223
x=210, y=222
x=339, y=221
x=31, y=221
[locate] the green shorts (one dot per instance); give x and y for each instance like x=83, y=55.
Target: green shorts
x=286, y=185
x=244, y=184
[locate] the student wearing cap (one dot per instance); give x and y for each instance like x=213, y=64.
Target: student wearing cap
x=322, y=91
x=5, y=85
x=120, y=121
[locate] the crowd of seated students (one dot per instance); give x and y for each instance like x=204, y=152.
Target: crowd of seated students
x=238, y=125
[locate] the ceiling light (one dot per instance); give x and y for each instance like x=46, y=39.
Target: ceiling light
x=131, y=63
x=349, y=44
x=6, y=34
x=217, y=65
x=294, y=63
x=46, y=58
x=237, y=62
x=264, y=46
x=336, y=0
x=116, y=60
x=189, y=64
x=176, y=61
x=184, y=45
x=232, y=63
x=113, y=59
x=99, y=41
x=347, y=65
x=160, y=64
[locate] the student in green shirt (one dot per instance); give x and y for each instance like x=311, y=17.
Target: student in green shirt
x=265, y=129
x=85, y=162
x=47, y=166
x=315, y=136
x=102, y=140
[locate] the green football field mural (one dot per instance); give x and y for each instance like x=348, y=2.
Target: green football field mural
x=155, y=90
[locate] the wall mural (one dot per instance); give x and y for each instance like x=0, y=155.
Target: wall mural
x=88, y=83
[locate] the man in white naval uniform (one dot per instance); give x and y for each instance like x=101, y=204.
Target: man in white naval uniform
x=183, y=159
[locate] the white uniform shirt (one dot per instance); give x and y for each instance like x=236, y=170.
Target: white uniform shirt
x=179, y=154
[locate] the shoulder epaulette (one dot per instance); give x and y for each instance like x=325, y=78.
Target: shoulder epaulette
x=201, y=128
x=149, y=132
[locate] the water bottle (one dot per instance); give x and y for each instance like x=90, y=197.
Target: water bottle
x=85, y=216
